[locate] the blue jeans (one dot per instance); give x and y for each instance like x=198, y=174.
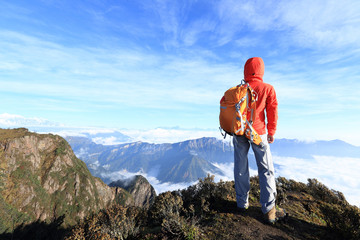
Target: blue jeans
x=265, y=171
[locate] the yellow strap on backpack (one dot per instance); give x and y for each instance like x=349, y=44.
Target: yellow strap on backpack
x=238, y=112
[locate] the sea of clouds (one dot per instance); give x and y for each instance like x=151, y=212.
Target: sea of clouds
x=336, y=173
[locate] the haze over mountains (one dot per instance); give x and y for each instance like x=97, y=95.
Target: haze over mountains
x=170, y=166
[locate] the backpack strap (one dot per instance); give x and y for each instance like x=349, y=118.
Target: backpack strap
x=252, y=105
x=237, y=107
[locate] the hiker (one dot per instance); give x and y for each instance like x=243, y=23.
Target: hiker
x=267, y=102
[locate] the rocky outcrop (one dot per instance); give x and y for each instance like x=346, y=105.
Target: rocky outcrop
x=42, y=179
x=139, y=188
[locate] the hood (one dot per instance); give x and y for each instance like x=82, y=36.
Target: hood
x=254, y=69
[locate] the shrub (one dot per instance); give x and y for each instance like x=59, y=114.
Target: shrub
x=176, y=222
x=179, y=227
x=321, y=192
x=61, y=148
x=343, y=219
x=166, y=205
x=115, y=222
x=207, y=196
x=285, y=185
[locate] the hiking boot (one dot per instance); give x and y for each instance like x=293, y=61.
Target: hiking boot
x=275, y=214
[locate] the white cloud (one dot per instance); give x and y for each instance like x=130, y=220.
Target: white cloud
x=336, y=173
x=158, y=186
x=106, y=140
x=192, y=33
x=82, y=152
x=324, y=24
x=161, y=135
x=163, y=187
x=227, y=169
x=108, y=77
x=157, y=135
x=13, y=120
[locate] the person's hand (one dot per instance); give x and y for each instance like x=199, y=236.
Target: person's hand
x=270, y=138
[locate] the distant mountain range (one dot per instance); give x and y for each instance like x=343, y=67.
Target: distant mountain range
x=189, y=160
x=301, y=149
x=179, y=162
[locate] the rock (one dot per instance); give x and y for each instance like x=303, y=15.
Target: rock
x=140, y=189
x=42, y=179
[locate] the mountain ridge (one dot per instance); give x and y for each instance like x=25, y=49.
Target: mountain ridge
x=177, y=162
x=42, y=179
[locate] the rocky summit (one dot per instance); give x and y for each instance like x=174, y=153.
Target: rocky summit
x=140, y=189
x=41, y=179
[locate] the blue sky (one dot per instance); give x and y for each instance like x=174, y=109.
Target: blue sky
x=147, y=64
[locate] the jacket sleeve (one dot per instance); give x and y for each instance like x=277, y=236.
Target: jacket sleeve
x=271, y=111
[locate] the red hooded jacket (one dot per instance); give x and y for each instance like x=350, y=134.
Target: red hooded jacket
x=253, y=74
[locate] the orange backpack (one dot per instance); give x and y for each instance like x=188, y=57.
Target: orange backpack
x=238, y=112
